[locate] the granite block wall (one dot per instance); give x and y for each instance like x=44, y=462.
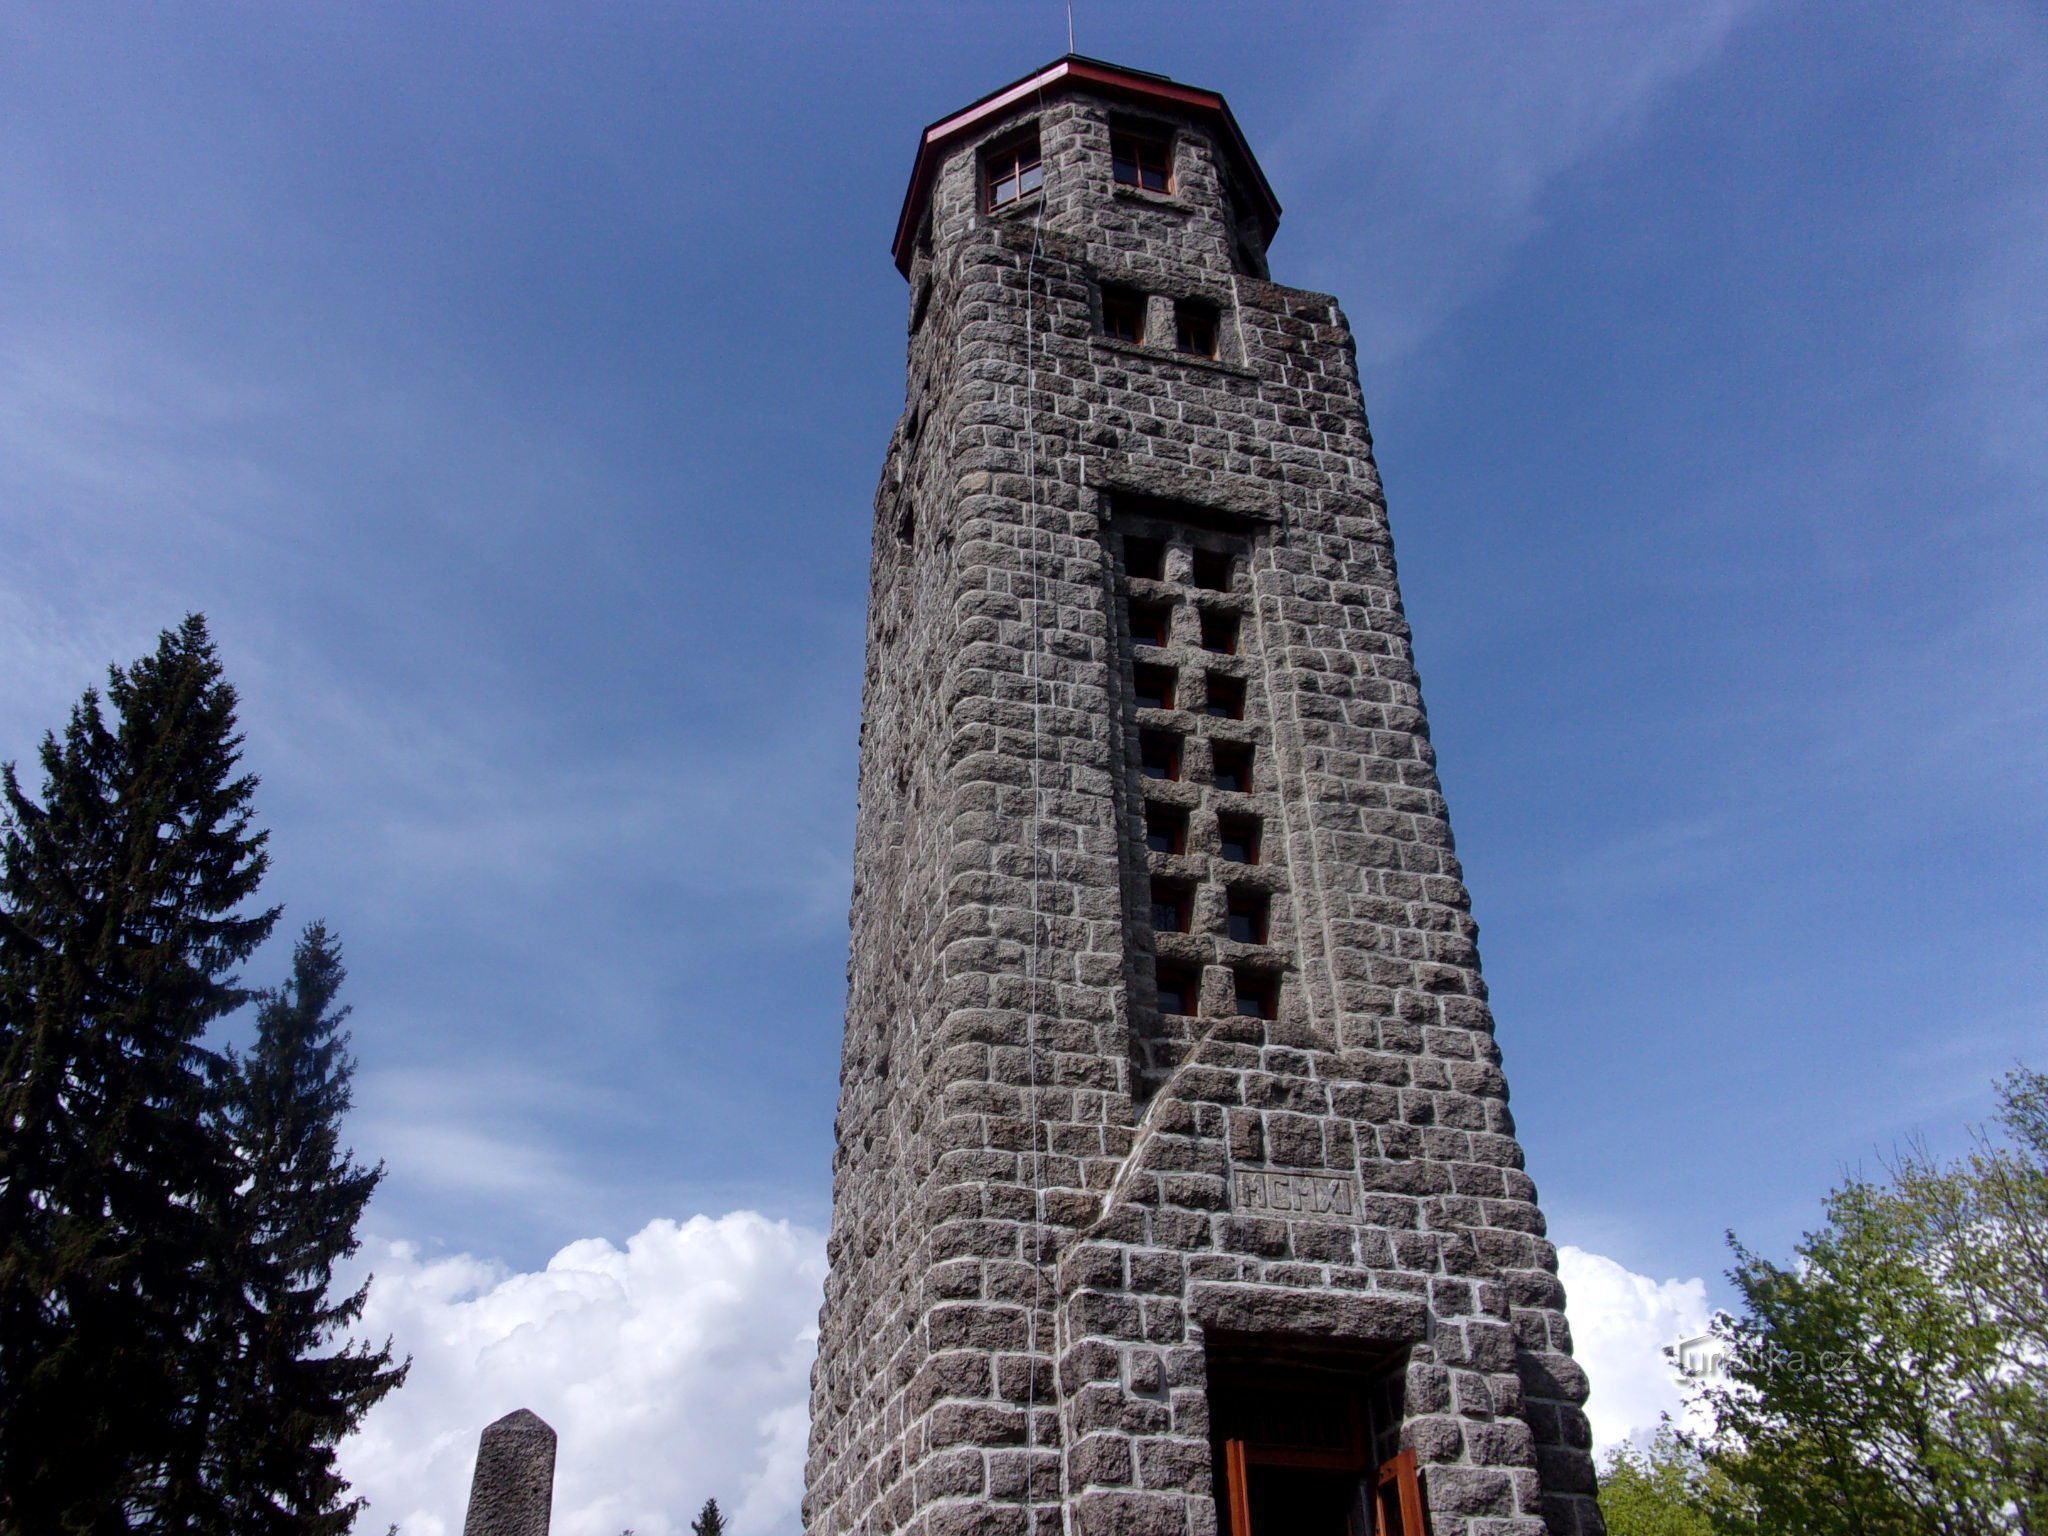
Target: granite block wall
x=1166, y=1038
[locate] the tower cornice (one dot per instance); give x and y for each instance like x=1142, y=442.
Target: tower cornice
x=1073, y=72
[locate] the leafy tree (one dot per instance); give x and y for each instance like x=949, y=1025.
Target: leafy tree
x=709, y=1521
x=1664, y=1489
x=1987, y=1219
x=122, y=894
x=1892, y=1380
x=293, y=1216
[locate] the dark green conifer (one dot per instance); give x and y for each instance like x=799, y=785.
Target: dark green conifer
x=298, y=1197
x=121, y=921
x=709, y=1521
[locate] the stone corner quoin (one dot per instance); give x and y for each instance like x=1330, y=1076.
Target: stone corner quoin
x=1176, y=1189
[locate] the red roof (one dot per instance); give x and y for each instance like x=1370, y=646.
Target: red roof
x=1062, y=75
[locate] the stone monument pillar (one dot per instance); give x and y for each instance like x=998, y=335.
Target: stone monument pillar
x=513, y=1491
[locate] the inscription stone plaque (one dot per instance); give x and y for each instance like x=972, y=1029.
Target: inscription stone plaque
x=1294, y=1192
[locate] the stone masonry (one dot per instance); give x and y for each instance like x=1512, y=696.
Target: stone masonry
x=1167, y=1055
x=512, y=1491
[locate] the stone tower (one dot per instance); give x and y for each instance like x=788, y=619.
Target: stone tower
x=1176, y=1189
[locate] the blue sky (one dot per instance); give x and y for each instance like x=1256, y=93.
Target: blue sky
x=508, y=383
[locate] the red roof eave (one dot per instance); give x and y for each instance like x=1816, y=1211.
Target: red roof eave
x=1071, y=69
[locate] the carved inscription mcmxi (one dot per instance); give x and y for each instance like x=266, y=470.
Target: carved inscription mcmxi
x=1290, y=1192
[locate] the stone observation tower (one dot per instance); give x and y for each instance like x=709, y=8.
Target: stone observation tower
x=1176, y=1189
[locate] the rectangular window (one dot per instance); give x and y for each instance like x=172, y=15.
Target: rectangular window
x=1194, y=329
x=1219, y=632
x=1237, y=838
x=1145, y=557
x=1011, y=171
x=1151, y=623
x=1258, y=995
x=1141, y=160
x=1172, y=907
x=1212, y=569
x=1233, y=765
x=1225, y=697
x=1123, y=315
x=1159, y=754
x=1249, y=916
x=1166, y=828
x=1153, y=687
x=1180, y=989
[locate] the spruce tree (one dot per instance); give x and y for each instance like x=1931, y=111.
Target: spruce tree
x=709, y=1521
x=299, y=1196
x=122, y=896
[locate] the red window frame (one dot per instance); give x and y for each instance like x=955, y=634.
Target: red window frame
x=1257, y=994
x=1150, y=681
x=1140, y=159
x=1169, y=823
x=1397, y=1508
x=1185, y=982
x=1255, y=908
x=1230, y=765
x=1243, y=830
x=1173, y=900
x=1159, y=755
x=1151, y=623
x=1194, y=330
x=1225, y=696
x=1394, y=1487
x=1123, y=315
x=1015, y=164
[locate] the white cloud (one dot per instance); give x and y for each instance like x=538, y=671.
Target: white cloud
x=677, y=1368
x=1621, y=1322
x=673, y=1369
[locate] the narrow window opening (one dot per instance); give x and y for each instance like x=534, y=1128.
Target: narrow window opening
x=1151, y=623
x=1194, y=329
x=1250, y=917
x=1237, y=838
x=1012, y=171
x=1159, y=754
x=906, y=524
x=1179, y=988
x=1213, y=569
x=1219, y=632
x=1258, y=995
x=1123, y=315
x=1172, y=907
x=1166, y=828
x=1233, y=766
x=1153, y=686
x=1145, y=558
x=1141, y=160
x=1225, y=697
